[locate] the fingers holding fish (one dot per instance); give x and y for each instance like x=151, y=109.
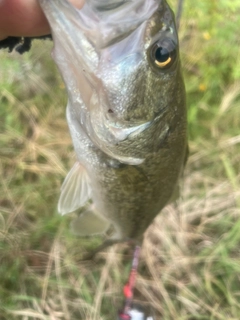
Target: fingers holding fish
x=25, y=18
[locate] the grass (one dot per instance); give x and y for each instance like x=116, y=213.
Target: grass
x=190, y=262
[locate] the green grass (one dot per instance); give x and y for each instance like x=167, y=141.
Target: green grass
x=190, y=262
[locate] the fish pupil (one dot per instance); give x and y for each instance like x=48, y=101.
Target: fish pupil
x=162, y=54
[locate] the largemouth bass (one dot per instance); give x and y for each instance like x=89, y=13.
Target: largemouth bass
x=126, y=111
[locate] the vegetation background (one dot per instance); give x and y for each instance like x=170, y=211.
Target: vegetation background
x=192, y=269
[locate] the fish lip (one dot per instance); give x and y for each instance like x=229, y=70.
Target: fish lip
x=114, y=131
x=122, y=133
x=105, y=141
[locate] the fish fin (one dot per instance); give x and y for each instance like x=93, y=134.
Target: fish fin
x=89, y=223
x=75, y=190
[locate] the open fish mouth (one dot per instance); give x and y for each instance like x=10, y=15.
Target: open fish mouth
x=98, y=22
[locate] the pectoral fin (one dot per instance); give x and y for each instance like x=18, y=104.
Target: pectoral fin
x=88, y=224
x=75, y=191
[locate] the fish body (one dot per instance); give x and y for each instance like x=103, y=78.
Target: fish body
x=126, y=110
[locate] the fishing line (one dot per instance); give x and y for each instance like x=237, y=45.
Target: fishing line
x=129, y=310
x=179, y=13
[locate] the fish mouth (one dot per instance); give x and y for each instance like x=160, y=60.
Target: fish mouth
x=107, y=136
x=98, y=22
x=111, y=21
x=120, y=133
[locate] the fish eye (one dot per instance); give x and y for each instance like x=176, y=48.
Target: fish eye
x=164, y=53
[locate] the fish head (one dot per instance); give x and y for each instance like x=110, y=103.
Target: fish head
x=138, y=63
x=120, y=63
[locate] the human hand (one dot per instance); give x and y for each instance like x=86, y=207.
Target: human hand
x=25, y=18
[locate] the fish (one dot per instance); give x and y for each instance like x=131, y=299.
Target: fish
x=126, y=112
